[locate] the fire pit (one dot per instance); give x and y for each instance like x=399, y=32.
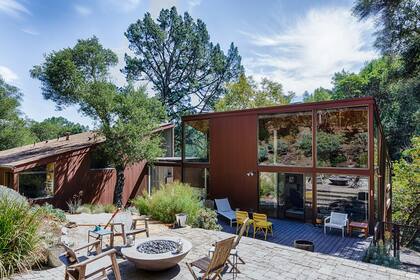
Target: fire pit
x=158, y=253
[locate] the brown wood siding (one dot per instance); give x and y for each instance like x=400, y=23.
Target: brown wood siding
x=233, y=153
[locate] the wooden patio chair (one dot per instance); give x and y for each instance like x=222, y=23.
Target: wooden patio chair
x=125, y=225
x=261, y=223
x=79, y=266
x=234, y=251
x=212, y=268
x=241, y=216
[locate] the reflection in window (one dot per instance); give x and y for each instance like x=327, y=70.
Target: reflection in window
x=342, y=138
x=160, y=175
x=197, y=178
x=37, y=182
x=196, y=141
x=285, y=139
x=344, y=194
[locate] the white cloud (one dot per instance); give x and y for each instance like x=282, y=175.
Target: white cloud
x=13, y=8
x=157, y=5
x=125, y=5
x=30, y=31
x=192, y=4
x=305, y=55
x=7, y=74
x=82, y=10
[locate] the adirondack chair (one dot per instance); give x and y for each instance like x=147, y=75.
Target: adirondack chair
x=80, y=266
x=336, y=220
x=212, y=268
x=124, y=225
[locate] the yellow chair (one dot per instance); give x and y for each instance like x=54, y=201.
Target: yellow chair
x=241, y=216
x=262, y=224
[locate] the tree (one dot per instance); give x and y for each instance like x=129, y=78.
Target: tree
x=246, y=94
x=398, y=24
x=397, y=100
x=13, y=130
x=125, y=116
x=320, y=94
x=55, y=127
x=406, y=188
x=187, y=71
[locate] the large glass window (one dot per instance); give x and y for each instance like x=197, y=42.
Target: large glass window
x=196, y=141
x=344, y=194
x=285, y=194
x=37, y=182
x=197, y=178
x=342, y=137
x=285, y=139
x=160, y=175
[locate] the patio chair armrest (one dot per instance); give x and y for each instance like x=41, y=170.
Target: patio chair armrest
x=94, y=258
x=94, y=243
x=137, y=219
x=327, y=219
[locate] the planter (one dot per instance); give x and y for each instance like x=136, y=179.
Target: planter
x=181, y=219
x=304, y=245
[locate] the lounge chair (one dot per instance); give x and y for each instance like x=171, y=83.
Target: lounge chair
x=224, y=209
x=79, y=266
x=261, y=223
x=336, y=220
x=212, y=268
x=234, y=251
x=125, y=225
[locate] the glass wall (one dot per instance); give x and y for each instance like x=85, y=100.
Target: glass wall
x=196, y=141
x=285, y=139
x=342, y=137
x=160, y=175
x=344, y=194
x=285, y=194
x=37, y=182
x=197, y=178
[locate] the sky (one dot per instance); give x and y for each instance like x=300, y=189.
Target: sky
x=299, y=44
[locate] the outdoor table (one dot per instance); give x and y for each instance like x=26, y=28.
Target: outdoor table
x=98, y=234
x=359, y=225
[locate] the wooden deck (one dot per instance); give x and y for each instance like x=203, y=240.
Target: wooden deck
x=286, y=231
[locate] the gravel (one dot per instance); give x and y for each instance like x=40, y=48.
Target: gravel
x=157, y=247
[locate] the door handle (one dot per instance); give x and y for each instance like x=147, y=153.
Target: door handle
x=250, y=174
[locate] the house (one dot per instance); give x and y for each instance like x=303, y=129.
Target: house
x=297, y=161
x=53, y=171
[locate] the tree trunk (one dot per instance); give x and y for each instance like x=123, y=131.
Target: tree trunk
x=119, y=187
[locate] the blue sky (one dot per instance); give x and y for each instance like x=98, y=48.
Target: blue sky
x=297, y=43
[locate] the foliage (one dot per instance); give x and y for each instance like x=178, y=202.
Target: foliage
x=168, y=200
x=48, y=211
x=14, y=131
x=320, y=94
x=96, y=208
x=379, y=255
x=75, y=202
x=329, y=147
x=245, y=94
x=126, y=117
x=55, y=127
x=20, y=244
x=206, y=219
x=175, y=54
x=305, y=144
x=406, y=187
x=396, y=98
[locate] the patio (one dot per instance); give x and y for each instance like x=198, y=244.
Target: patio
x=264, y=260
x=285, y=232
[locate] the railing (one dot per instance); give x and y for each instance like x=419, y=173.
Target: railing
x=396, y=235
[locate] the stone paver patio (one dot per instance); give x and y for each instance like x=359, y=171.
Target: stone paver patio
x=285, y=232
x=264, y=260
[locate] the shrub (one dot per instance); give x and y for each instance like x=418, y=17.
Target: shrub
x=109, y=208
x=379, y=255
x=20, y=244
x=75, y=202
x=48, y=211
x=169, y=200
x=96, y=208
x=85, y=208
x=206, y=219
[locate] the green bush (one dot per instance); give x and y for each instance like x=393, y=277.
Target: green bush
x=88, y=208
x=206, y=219
x=379, y=255
x=48, y=211
x=20, y=244
x=168, y=200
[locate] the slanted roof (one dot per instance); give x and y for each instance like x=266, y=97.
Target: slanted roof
x=33, y=152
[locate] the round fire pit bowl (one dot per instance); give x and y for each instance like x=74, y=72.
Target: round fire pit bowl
x=304, y=245
x=156, y=253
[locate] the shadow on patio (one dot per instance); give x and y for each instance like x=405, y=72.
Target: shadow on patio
x=285, y=232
